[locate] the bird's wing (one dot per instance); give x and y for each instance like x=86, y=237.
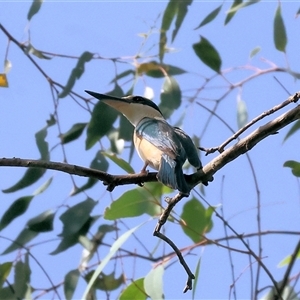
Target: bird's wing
x=189, y=147
x=160, y=134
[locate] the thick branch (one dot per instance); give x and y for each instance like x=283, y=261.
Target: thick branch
x=108, y=179
x=206, y=174
x=245, y=145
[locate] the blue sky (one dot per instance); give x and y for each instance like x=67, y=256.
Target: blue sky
x=112, y=29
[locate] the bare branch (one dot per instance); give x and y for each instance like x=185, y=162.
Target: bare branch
x=110, y=180
x=244, y=145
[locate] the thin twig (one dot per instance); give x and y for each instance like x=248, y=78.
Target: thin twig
x=284, y=282
x=292, y=99
x=257, y=258
x=162, y=220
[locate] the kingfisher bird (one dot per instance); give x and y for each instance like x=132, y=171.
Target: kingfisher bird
x=159, y=145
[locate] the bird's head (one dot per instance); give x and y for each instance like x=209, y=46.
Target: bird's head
x=134, y=108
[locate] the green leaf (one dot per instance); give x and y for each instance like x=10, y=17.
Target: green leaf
x=182, y=10
x=23, y=238
x=37, y=53
x=174, y=8
x=234, y=7
x=288, y=293
x=125, y=129
x=286, y=261
x=169, y=15
x=70, y=283
x=75, y=217
x=134, y=291
x=74, y=238
x=105, y=282
x=98, y=163
x=119, y=162
x=242, y=112
x=170, y=97
x=18, y=208
x=31, y=176
x=294, y=128
x=43, y=187
x=73, y=133
x=6, y=293
x=5, y=269
x=196, y=220
x=51, y=121
x=123, y=74
x=208, y=54
x=294, y=74
x=239, y=4
x=158, y=70
x=280, y=37
x=153, y=283
x=76, y=221
x=42, y=223
x=34, y=8
x=76, y=73
x=254, y=51
x=91, y=245
x=42, y=144
x=103, y=117
x=132, y=204
x=197, y=272
x=114, y=248
x=22, y=278
x=210, y=17
x=294, y=165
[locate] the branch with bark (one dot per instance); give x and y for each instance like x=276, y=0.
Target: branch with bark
x=204, y=175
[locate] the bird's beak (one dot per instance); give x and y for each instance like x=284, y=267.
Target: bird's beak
x=120, y=104
x=104, y=97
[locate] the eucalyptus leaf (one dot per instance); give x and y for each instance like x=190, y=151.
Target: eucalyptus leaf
x=22, y=239
x=73, y=133
x=16, y=209
x=196, y=220
x=132, y=204
x=114, y=248
x=208, y=54
x=280, y=37
x=76, y=73
x=34, y=8
x=153, y=283
x=170, y=97
x=210, y=17
x=134, y=291
x=103, y=117
x=22, y=278
x=294, y=128
x=295, y=167
x=70, y=283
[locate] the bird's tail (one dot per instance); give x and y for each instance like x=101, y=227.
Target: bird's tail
x=170, y=174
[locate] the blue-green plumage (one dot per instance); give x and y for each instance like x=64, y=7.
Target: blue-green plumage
x=176, y=147
x=161, y=146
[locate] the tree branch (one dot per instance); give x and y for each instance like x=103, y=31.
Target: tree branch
x=244, y=145
x=204, y=175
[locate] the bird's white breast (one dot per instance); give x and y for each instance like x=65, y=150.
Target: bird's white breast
x=147, y=152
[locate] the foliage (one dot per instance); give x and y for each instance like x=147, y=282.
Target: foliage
x=98, y=227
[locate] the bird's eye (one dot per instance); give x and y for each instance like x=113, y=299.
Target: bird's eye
x=137, y=99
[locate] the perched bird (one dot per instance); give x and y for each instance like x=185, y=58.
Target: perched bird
x=161, y=146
